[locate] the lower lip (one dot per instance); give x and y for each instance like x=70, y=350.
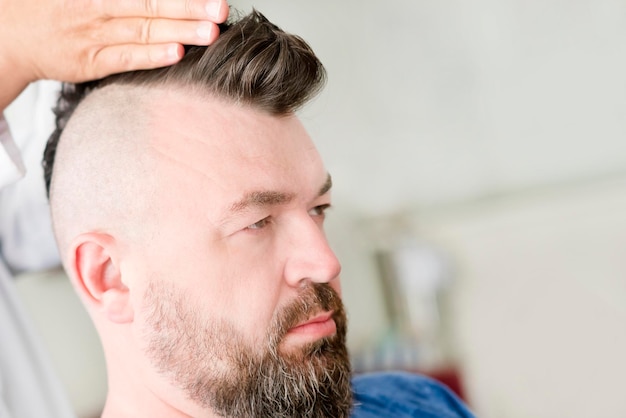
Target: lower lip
x=315, y=330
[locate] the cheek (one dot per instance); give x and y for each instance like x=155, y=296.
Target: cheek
x=255, y=290
x=237, y=280
x=253, y=305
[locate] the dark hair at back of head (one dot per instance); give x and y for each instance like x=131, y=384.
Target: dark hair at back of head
x=253, y=62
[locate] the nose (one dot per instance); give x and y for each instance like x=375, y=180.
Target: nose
x=309, y=257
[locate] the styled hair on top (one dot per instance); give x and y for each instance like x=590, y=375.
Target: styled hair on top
x=253, y=62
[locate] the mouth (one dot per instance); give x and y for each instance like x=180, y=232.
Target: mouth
x=319, y=326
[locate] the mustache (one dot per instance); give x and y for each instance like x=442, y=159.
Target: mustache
x=314, y=298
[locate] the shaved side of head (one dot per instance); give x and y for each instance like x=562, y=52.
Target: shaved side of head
x=101, y=166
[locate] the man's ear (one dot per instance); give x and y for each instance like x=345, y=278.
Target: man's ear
x=97, y=278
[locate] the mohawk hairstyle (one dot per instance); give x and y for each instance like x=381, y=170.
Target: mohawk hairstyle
x=253, y=62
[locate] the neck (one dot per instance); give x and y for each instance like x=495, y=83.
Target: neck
x=124, y=401
x=136, y=390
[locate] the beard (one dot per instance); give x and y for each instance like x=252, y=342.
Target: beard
x=217, y=369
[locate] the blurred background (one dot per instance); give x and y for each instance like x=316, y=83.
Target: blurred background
x=479, y=164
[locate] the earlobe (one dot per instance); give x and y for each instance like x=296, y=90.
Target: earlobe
x=97, y=276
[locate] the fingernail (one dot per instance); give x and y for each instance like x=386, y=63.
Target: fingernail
x=204, y=30
x=172, y=51
x=169, y=54
x=213, y=8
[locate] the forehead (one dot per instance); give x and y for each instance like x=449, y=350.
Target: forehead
x=202, y=144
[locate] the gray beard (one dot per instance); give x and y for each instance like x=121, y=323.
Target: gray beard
x=219, y=372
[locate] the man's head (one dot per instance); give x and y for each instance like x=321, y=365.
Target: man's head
x=188, y=204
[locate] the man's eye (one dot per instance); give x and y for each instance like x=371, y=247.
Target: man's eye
x=260, y=224
x=319, y=210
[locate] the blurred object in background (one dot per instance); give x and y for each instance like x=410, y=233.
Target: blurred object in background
x=413, y=280
x=415, y=277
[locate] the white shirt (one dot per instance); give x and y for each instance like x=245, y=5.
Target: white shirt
x=28, y=386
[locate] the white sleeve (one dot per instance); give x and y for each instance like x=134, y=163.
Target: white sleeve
x=26, y=238
x=11, y=165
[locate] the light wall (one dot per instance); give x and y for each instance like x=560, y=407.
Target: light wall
x=538, y=308
x=541, y=301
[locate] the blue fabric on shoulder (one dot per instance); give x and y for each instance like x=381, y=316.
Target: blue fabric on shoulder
x=404, y=395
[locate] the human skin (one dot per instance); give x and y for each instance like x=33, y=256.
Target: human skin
x=202, y=157
x=83, y=39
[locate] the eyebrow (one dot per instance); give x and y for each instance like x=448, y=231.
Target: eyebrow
x=260, y=199
x=326, y=187
x=271, y=198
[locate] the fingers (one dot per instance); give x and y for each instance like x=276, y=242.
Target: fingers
x=120, y=58
x=213, y=10
x=157, y=31
x=101, y=37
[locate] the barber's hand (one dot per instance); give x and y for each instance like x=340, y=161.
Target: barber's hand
x=79, y=40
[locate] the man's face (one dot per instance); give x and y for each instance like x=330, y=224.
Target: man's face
x=239, y=289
